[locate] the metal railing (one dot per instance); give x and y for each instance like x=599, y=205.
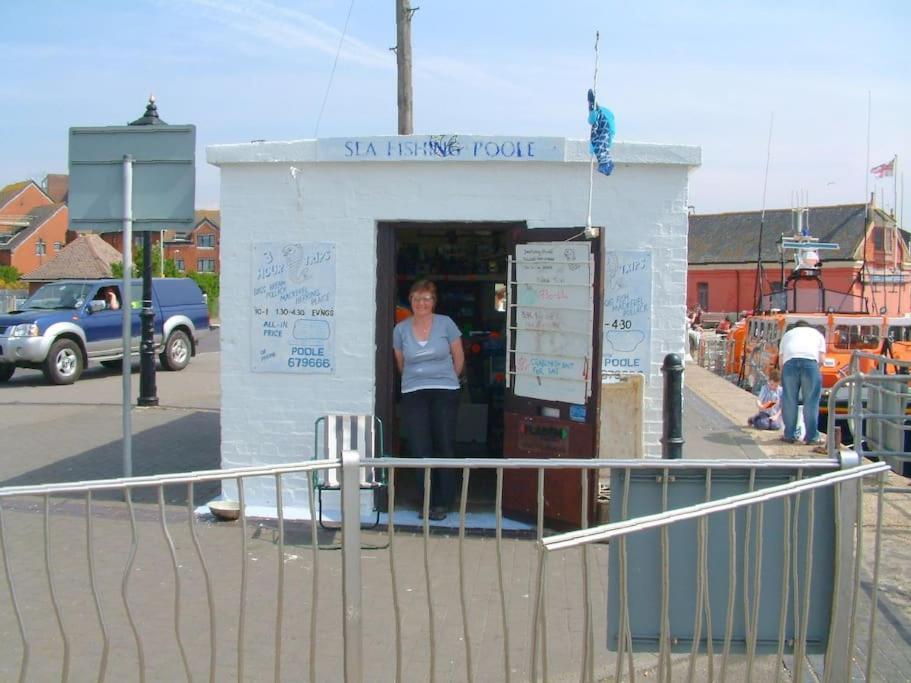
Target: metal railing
x=878, y=408
x=713, y=353
x=10, y=299
x=126, y=583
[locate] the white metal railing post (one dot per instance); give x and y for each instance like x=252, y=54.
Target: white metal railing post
x=351, y=565
x=839, y=657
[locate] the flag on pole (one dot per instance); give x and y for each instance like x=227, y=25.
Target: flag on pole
x=601, y=120
x=884, y=170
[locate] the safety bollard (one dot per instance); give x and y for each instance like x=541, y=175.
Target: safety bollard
x=672, y=412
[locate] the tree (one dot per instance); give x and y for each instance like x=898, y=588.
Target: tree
x=170, y=268
x=9, y=276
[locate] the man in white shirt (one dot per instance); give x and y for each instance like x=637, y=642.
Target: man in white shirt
x=800, y=354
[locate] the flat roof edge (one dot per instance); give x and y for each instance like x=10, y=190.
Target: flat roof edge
x=574, y=151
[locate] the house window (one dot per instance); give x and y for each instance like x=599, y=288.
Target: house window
x=58, y=246
x=702, y=295
x=181, y=266
x=205, y=241
x=205, y=265
x=40, y=247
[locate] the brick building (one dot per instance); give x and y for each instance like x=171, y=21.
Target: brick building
x=33, y=227
x=871, y=262
x=198, y=250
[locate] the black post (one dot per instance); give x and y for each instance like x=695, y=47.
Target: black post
x=148, y=392
x=672, y=418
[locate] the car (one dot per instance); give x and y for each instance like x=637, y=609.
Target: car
x=67, y=324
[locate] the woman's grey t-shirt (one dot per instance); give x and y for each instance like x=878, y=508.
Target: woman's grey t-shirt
x=428, y=366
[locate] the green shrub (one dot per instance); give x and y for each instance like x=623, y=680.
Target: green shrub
x=208, y=283
x=9, y=276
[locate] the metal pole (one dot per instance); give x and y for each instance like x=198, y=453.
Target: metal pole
x=127, y=309
x=147, y=389
x=672, y=418
x=351, y=566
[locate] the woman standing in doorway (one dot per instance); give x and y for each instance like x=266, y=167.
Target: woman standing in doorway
x=429, y=356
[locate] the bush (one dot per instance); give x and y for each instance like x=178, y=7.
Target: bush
x=117, y=268
x=9, y=276
x=208, y=283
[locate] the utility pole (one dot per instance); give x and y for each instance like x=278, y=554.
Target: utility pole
x=403, y=14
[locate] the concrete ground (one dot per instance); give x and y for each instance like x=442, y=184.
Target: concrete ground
x=73, y=433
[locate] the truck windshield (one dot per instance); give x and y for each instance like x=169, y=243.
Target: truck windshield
x=58, y=295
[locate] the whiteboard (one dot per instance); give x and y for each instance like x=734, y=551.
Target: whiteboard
x=553, y=273
x=553, y=308
x=553, y=343
x=554, y=320
x=555, y=296
x=548, y=389
x=558, y=367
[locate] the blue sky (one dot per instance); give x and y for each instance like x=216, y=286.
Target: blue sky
x=710, y=74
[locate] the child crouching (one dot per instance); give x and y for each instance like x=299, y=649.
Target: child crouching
x=769, y=402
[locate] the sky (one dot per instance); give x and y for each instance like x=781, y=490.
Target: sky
x=830, y=80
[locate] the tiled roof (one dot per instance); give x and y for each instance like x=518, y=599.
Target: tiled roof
x=36, y=217
x=211, y=215
x=11, y=190
x=734, y=237
x=87, y=257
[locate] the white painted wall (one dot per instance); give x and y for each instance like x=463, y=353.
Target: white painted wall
x=268, y=418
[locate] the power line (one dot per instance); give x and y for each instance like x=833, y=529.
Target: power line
x=338, y=51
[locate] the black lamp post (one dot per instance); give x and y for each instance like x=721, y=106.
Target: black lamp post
x=148, y=391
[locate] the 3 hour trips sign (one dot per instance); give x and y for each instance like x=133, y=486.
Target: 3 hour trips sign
x=293, y=316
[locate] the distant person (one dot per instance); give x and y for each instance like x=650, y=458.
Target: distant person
x=801, y=353
x=723, y=327
x=769, y=403
x=429, y=355
x=694, y=330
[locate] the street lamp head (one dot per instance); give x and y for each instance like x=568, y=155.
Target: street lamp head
x=150, y=118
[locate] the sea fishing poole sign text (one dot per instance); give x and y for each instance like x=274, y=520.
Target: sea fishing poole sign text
x=441, y=148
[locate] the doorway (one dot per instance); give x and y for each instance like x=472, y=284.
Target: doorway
x=470, y=265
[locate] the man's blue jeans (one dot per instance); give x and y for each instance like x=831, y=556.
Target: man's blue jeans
x=800, y=376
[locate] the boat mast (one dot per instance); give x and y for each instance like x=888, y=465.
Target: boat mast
x=760, y=273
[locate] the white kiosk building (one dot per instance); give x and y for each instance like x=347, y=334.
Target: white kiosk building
x=321, y=240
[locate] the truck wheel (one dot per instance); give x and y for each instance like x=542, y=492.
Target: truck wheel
x=177, y=350
x=6, y=371
x=64, y=362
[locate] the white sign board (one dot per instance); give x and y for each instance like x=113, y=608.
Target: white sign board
x=553, y=321
x=293, y=316
x=446, y=148
x=627, y=312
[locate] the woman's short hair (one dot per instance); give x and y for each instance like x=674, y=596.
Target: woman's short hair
x=423, y=286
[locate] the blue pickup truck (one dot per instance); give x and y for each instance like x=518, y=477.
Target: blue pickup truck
x=67, y=324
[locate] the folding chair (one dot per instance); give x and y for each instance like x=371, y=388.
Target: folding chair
x=348, y=433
